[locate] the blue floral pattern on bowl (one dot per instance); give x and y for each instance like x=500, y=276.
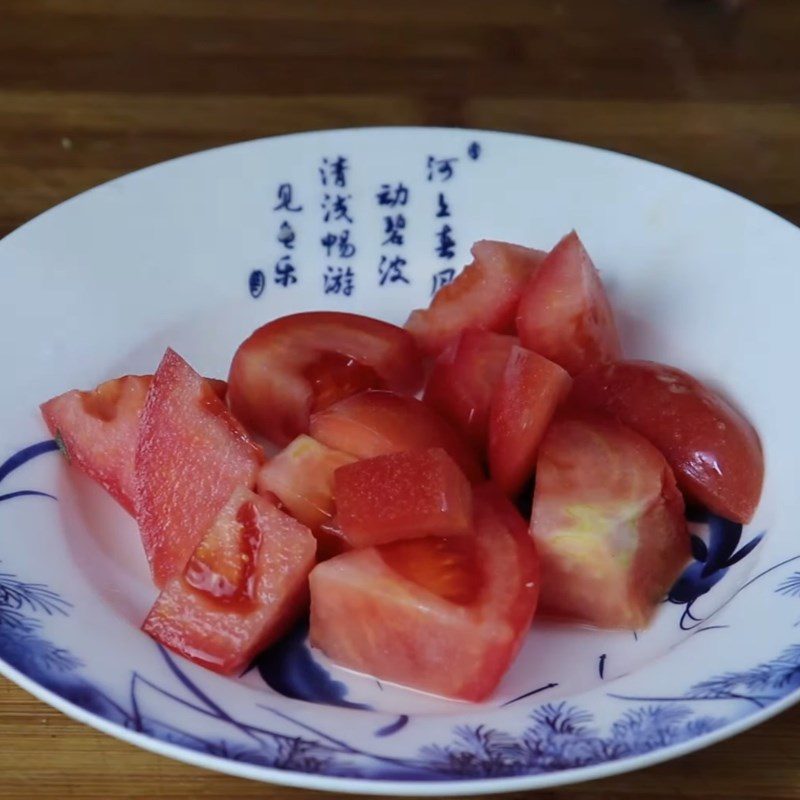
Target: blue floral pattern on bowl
x=556, y=735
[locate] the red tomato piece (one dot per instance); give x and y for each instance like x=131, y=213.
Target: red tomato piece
x=377, y=423
x=402, y=496
x=98, y=430
x=564, y=313
x=190, y=457
x=463, y=379
x=715, y=452
x=301, y=477
x=485, y=295
x=608, y=521
x=523, y=404
x=443, y=615
x=242, y=588
x=301, y=363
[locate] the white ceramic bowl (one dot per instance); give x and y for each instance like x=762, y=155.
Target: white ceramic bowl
x=191, y=254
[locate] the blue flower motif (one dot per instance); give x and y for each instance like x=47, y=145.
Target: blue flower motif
x=556, y=736
x=711, y=563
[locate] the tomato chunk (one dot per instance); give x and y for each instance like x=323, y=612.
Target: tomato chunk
x=98, y=431
x=301, y=477
x=191, y=455
x=484, y=295
x=714, y=450
x=463, y=380
x=242, y=588
x=564, y=313
x=608, y=522
x=523, y=404
x=377, y=423
x=402, y=496
x=304, y=362
x=443, y=615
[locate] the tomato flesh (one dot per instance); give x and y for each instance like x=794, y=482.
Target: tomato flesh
x=377, y=423
x=402, y=496
x=242, y=588
x=301, y=477
x=715, y=452
x=98, y=430
x=191, y=455
x=530, y=390
x=608, y=521
x=445, y=616
x=483, y=296
x=463, y=380
x=564, y=313
x=303, y=362
x=446, y=567
x=334, y=377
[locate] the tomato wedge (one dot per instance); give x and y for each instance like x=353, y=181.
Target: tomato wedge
x=98, y=430
x=301, y=477
x=244, y=585
x=443, y=615
x=523, y=404
x=463, y=380
x=376, y=423
x=484, y=296
x=402, y=496
x=714, y=450
x=564, y=313
x=302, y=363
x=191, y=455
x=608, y=522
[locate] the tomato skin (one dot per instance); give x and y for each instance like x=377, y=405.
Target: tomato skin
x=463, y=379
x=564, y=313
x=222, y=615
x=294, y=365
x=530, y=390
x=608, y=521
x=376, y=423
x=406, y=495
x=191, y=455
x=401, y=626
x=715, y=452
x=484, y=296
x=301, y=477
x=99, y=429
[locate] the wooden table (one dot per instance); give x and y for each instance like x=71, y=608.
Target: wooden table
x=90, y=89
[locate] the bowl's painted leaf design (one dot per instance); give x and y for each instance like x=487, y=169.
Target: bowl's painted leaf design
x=555, y=736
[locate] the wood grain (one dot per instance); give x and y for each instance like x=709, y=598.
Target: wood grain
x=91, y=89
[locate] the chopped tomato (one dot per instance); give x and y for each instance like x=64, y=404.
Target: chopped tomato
x=301, y=477
x=443, y=615
x=242, y=588
x=377, y=423
x=304, y=362
x=523, y=404
x=98, y=430
x=564, y=313
x=402, y=496
x=714, y=450
x=484, y=296
x=191, y=455
x=608, y=521
x=463, y=379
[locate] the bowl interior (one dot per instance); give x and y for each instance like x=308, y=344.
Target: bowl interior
x=167, y=257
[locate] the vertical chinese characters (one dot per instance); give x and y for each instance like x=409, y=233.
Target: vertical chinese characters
x=284, y=272
x=392, y=200
x=440, y=171
x=337, y=240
